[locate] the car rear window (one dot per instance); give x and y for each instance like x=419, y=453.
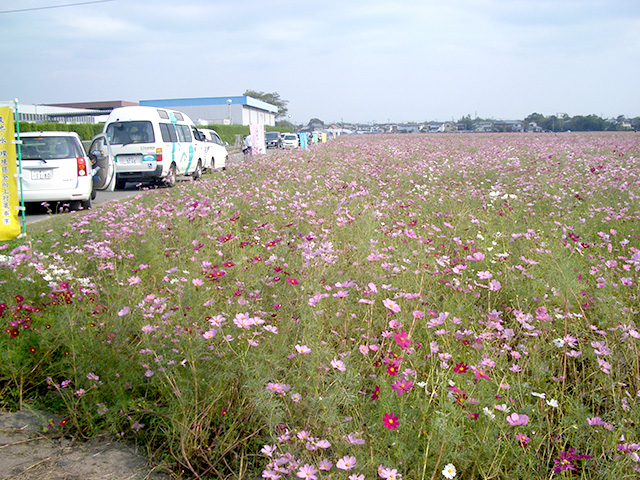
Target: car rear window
x=124, y=133
x=50, y=148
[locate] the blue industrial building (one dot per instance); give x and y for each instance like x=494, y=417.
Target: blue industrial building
x=241, y=110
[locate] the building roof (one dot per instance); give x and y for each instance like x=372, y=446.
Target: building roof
x=192, y=102
x=106, y=105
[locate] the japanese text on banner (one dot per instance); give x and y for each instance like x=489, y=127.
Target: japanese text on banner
x=9, y=224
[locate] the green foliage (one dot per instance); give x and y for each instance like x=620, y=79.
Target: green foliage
x=272, y=99
x=86, y=131
x=286, y=301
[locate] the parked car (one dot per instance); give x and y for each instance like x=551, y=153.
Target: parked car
x=273, y=140
x=56, y=168
x=216, y=154
x=153, y=145
x=290, y=141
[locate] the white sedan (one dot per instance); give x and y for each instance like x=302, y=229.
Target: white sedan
x=290, y=140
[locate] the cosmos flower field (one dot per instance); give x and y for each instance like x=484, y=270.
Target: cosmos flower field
x=417, y=307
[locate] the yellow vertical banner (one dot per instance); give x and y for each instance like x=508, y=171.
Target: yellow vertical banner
x=9, y=224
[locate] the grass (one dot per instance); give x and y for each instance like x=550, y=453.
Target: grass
x=376, y=307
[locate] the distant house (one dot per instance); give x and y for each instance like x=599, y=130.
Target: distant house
x=313, y=127
x=483, y=126
x=508, y=126
x=409, y=128
x=533, y=127
x=448, y=127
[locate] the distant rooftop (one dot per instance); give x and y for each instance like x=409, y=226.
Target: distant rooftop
x=191, y=102
x=106, y=105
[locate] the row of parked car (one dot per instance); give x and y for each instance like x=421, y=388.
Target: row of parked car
x=281, y=140
x=137, y=144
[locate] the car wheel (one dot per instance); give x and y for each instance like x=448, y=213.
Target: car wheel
x=86, y=205
x=197, y=173
x=170, y=180
x=120, y=184
x=93, y=195
x=75, y=205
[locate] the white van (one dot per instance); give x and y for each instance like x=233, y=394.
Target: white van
x=153, y=145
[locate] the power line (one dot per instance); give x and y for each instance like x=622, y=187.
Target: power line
x=54, y=6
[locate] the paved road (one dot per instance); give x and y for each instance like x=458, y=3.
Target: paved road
x=36, y=213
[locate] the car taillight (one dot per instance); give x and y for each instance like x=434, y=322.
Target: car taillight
x=82, y=167
x=158, y=154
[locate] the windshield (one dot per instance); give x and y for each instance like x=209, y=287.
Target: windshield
x=49, y=148
x=123, y=133
x=290, y=137
x=272, y=135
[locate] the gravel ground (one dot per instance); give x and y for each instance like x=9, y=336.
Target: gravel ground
x=27, y=454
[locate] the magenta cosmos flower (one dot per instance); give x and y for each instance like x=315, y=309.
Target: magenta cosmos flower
x=390, y=421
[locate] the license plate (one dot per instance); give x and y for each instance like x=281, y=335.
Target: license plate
x=41, y=174
x=128, y=159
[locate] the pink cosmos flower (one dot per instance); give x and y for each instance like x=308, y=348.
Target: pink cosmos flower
x=307, y=471
x=389, y=473
x=516, y=419
x=402, y=386
x=303, y=349
x=338, y=364
x=523, y=439
x=391, y=305
x=243, y=320
x=346, y=463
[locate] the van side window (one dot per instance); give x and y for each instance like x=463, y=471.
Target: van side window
x=178, y=116
x=184, y=133
x=168, y=133
x=163, y=114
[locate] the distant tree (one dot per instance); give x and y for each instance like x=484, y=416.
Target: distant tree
x=272, y=99
x=588, y=123
x=316, y=120
x=467, y=122
x=536, y=118
x=285, y=125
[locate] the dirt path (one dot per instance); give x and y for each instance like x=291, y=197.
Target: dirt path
x=26, y=454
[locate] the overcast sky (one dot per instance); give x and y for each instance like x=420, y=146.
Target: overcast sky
x=351, y=60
